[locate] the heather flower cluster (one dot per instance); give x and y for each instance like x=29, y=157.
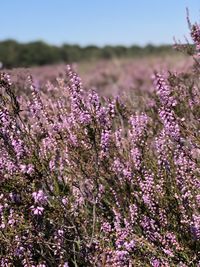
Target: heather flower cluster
x=87, y=180
x=195, y=34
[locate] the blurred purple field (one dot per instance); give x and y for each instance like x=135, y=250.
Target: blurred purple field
x=109, y=77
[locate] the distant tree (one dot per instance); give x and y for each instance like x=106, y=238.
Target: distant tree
x=14, y=54
x=39, y=53
x=91, y=52
x=107, y=52
x=9, y=53
x=71, y=53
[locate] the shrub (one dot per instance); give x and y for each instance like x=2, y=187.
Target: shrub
x=90, y=181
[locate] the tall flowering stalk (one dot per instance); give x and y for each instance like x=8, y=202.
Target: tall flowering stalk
x=195, y=34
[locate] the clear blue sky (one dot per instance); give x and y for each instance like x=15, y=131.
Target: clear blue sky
x=97, y=22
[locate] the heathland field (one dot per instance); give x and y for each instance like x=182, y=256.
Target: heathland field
x=100, y=162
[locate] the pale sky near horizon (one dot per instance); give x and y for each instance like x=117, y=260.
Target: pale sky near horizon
x=87, y=22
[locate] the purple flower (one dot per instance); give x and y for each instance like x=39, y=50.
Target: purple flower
x=37, y=210
x=105, y=141
x=39, y=197
x=155, y=263
x=195, y=34
x=64, y=201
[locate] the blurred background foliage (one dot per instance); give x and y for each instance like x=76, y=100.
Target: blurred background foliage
x=14, y=54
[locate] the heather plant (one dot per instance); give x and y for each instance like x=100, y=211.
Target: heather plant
x=97, y=181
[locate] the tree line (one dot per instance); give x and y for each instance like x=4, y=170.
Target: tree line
x=15, y=54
